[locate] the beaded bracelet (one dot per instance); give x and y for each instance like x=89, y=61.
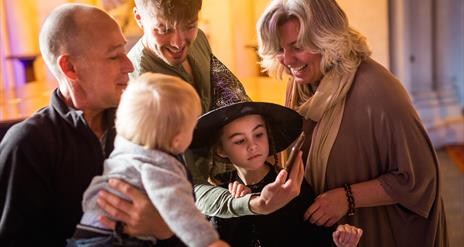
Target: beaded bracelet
x=350, y=198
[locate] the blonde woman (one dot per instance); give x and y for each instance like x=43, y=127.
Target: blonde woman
x=368, y=156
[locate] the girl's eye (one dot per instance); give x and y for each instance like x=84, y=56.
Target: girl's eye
x=238, y=142
x=259, y=135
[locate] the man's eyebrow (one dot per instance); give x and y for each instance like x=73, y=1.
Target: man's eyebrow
x=160, y=25
x=116, y=47
x=192, y=21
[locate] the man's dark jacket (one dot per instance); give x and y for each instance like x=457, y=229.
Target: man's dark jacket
x=46, y=163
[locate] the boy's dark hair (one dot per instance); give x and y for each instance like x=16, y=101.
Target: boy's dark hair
x=172, y=11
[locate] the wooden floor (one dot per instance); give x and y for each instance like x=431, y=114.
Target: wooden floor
x=452, y=181
x=25, y=100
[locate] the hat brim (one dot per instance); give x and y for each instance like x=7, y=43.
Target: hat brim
x=284, y=124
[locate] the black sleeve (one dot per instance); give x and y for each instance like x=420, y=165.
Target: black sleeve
x=24, y=187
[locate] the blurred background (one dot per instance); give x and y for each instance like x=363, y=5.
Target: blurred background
x=420, y=41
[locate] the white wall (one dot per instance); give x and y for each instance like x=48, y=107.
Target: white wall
x=217, y=18
x=370, y=17
x=224, y=24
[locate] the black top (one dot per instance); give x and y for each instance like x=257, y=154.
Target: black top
x=285, y=227
x=46, y=163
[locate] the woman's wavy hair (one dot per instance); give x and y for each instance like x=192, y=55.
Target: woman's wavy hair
x=324, y=29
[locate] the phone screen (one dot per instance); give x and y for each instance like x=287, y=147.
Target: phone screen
x=294, y=152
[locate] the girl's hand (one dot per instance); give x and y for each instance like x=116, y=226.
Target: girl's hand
x=238, y=190
x=280, y=192
x=347, y=236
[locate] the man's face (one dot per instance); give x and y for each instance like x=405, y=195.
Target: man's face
x=102, y=67
x=170, y=43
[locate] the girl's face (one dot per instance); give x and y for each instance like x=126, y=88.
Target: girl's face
x=244, y=142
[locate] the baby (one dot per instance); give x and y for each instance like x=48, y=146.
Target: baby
x=154, y=124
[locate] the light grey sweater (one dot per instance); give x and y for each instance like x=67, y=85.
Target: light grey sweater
x=164, y=179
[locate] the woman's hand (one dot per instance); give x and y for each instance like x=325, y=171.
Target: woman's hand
x=328, y=208
x=280, y=192
x=332, y=205
x=347, y=236
x=237, y=189
x=139, y=216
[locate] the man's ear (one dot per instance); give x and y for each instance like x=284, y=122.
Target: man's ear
x=67, y=67
x=137, y=17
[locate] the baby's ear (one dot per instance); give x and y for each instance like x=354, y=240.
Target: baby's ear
x=175, y=143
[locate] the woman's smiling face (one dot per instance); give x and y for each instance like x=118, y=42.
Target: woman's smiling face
x=303, y=64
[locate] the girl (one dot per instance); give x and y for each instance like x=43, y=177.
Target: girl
x=246, y=134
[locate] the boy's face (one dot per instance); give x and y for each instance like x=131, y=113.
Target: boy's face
x=245, y=142
x=170, y=44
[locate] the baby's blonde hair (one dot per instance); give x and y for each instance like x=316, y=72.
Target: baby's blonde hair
x=154, y=109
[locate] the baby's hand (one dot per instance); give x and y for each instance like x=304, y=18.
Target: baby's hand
x=347, y=236
x=238, y=190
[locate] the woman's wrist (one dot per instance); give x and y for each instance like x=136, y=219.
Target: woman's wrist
x=350, y=199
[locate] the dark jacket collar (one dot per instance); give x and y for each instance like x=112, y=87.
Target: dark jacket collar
x=74, y=116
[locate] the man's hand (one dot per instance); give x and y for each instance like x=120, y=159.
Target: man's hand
x=237, y=189
x=139, y=216
x=280, y=192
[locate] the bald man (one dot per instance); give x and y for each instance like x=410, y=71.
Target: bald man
x=48, y=160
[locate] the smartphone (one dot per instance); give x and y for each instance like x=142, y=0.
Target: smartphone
x=294, y=152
